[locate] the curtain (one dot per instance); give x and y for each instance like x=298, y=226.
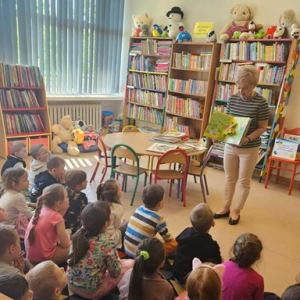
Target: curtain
x=76, y=43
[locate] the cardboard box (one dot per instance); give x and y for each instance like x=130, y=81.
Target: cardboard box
x=286, y=149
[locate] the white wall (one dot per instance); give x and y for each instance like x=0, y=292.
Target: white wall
x=265, y=12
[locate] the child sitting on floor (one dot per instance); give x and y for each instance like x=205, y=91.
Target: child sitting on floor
x=94, y=267
x=11, y=256
x=146, y=222
x=145, y=281
x=55, y=174
x=195, y=241
x=16, y=159
x=40, y=154
x=46, y=236
x=13, y=201
x=15, y=287
x=111, y=192
x=75, y=182
x=47, y=281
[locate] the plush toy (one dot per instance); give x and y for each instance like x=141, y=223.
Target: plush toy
x=260, y=34
x=165, y=32
x=157, y=31
x=270, y=32
x=280, y=32
x=183, y=36
x=241, y=15
x=295, y=33
x=175, y=16
x=251, y=28
x=211, y=37
x=236, y=35
x=145, y=31
x=287, y=19
x=78, y=136
x=62, y=133
x=83, y=126
x=139, y=21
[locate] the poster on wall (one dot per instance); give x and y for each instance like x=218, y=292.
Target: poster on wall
x=201, y=29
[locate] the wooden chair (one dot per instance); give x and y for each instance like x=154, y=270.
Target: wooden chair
x=130, y=128
x=172, y=156
x=199, y=169
x=272, y=164
x=125, y=151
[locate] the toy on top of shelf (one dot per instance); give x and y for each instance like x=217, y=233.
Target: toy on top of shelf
x=183, y=36
x=270, y=32
x=145, y=31
x=62, y=133
x=236, y=35
x=157, y=31
x=287, y=19
x=241, y=15
x=260, y=34
x=175, y=16
x=139, y=21
x=211, y=37
x=295, y=33
x=280, y=32
x=165, y=32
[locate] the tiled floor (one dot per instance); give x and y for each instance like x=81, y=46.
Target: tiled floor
x=270, y=213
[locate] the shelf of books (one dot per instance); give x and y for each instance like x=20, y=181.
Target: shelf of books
x=23, y=107
x=191, y=81
x=147, y=78
x=271, y=57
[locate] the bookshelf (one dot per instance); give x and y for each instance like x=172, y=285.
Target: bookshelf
x=146, y=85
x=191, y=81
x=272, y=58
x=23, y=107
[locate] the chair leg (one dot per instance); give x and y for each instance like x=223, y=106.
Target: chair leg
x=292, y=179
x=123, y=183
x=195, y=179
x=184, y=192
x=94, y=173
x=278, y=172
x=206, y=186
x=145, y=180
x=178, y=188
x=150, y=178
x=170, y=188
x=134, y=191
x=268, y=173
x=202, y=189
x=103, y=174
x=126, y=178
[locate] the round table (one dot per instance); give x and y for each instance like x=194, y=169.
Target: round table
x=139, y=141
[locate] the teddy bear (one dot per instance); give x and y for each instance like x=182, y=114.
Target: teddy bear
x=62, y=133
x=287, y=19
x=139, y=21
x=295, y=33
x=175, y=16
x=241, y=15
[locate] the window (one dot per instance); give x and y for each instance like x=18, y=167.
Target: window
x=76, y=43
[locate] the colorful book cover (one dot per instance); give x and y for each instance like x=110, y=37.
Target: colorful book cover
x=161, y=148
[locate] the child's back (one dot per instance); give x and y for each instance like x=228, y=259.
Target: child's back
x=196, y=242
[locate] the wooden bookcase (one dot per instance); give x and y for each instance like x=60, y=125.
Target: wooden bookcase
x=23, y=107
x=272, y=58
x=147, y=79
x=191, y=85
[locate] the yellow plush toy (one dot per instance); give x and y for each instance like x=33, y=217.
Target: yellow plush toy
x=62, y=133
x=78, y=136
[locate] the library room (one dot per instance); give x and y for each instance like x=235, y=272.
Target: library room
x=138, y=132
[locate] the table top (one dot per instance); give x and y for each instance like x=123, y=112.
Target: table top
x=139, y=141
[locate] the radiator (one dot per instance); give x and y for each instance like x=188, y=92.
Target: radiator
x=90, y=113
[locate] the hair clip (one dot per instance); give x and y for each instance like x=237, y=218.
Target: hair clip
x=145, y=254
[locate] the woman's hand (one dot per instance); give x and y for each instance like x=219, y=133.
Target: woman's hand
x=245, y=141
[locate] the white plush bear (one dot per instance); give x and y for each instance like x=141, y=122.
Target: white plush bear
x=175, y=16
x=139, y=21
x=287, y=19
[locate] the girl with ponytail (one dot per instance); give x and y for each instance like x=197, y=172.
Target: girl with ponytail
x=46, y=236
x=94, y=267
x=144, y=281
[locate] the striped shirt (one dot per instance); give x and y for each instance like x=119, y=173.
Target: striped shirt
x=143, y=224
x=255, y=108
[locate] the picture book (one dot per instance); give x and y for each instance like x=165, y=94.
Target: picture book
x=161, y=148
x=226, y=128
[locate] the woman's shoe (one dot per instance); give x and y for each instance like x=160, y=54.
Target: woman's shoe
x=219, y=216
x=233, y=221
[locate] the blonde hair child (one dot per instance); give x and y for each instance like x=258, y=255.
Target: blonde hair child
x=46, y=236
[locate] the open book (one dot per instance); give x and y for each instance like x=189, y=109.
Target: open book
x=161, y=148
x=226, y=128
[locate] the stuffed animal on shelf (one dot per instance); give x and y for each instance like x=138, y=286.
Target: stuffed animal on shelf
x=236, y=35
x=175, y=16
x=157, y=31
x=270, y=32
x=183, y=36
x=287, y=19
x=295, y=33
x=260, y=34
x=139, y=21
x=62, y=133
x=241, y=15
x=279, y=32
x=211, y=37
x=165, y=32
x=145, y=31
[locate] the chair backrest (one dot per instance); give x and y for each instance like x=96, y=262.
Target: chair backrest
x=130, y=128
x=123, y=151
x=295, y=131
x=102, y=153
x=206, y=159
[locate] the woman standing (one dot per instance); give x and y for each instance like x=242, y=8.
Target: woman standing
x=239, y=162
